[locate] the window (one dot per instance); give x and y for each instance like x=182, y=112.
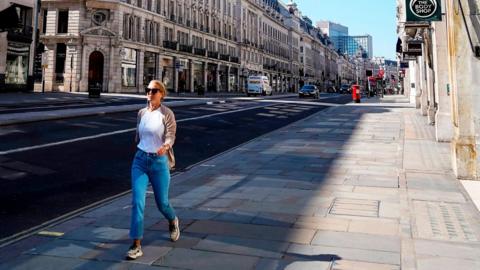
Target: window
x=62, y=25
x=159, y=5
x=129, y=67
x=44, y=23
x=60, y=61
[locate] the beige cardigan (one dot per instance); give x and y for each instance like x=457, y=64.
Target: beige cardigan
x=169, y=134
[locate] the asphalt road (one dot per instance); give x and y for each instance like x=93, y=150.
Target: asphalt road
x=51, y=168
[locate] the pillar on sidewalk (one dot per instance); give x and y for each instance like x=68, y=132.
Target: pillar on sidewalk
x=443, y=116
x=418, y=88
x=423, y=84
x=464, y=68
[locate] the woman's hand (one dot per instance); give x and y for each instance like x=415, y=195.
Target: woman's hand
x=163, y=150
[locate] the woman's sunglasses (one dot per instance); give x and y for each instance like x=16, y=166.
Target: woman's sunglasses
x=151, y=90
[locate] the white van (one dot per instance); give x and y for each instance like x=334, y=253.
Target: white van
x=258, y=85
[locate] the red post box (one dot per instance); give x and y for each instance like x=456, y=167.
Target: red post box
x=356, y=93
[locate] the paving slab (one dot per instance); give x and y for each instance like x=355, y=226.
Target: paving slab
x=281, y=234
x=205, y=260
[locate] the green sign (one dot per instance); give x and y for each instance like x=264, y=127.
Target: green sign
x=423, y=10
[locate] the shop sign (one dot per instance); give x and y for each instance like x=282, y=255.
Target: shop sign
x=423, y=10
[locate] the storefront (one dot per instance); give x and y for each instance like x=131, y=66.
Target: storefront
x=183, y=76
x=168, y=72
x=16, y=71
x=198, y=77
x=233, y=80
x=212, y=77
x=129, y=67
x=223, y=78
x=149, y=67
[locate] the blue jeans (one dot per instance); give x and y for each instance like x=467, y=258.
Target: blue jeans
x=154, y=168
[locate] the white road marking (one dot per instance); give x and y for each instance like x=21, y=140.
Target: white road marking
x=24, y=149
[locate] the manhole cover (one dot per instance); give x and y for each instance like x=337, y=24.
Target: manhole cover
x=354, y=207
x=443, y=221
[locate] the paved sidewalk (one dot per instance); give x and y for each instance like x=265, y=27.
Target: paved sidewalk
x=362, y=186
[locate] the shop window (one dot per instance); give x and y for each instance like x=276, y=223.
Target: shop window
x=60, y=61
x=62, y=26
x=129, y=67
x=17, y=63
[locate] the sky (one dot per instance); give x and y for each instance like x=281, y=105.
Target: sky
x=374, y=17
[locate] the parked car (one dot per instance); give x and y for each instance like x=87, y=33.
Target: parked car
x=309, y=91
x=258, y=85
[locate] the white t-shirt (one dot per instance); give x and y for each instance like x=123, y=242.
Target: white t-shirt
x=151, y=130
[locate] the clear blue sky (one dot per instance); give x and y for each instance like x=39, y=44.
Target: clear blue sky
x=374, y=17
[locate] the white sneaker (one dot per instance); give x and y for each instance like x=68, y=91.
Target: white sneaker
x=174, y=230
x=134, y=252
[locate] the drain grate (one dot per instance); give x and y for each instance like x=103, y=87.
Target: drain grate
x=354, y=207
x=443, y=221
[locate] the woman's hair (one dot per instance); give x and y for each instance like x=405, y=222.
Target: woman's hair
x=160, y=86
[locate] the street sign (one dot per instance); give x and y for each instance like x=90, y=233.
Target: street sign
x=423, y=10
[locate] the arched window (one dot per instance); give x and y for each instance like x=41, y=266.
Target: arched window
x=152, y=33
x=125, y=26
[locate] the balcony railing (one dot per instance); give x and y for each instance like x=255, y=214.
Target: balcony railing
x=172, y=45
x=199, y=51
x=180, y=20
x=225, y=57
x=188, y=23
x=212, y=54
x=185, y=48
x=172, y=17
x=195, y=25
x=234, y=59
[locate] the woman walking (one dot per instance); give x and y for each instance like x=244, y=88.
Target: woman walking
x=156, y=128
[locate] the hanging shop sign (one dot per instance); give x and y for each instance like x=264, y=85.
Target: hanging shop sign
x=424, y=10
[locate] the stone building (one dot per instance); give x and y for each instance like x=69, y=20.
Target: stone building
x=191, y=45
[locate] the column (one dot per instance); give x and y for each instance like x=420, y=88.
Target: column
x=205, y=77
x=423, y=83
x=443, y=117
x=175, y=75
x=463, y=69
x=49, y=75
x=228, y=79
x=192, y=72
x=412, y=82
x=217, y=79
x=140, y=66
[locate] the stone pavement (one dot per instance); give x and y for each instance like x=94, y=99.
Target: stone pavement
x=357, y=187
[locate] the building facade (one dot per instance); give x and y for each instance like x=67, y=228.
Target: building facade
x=16, y=45
x=191, y=45
x=440, y=61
